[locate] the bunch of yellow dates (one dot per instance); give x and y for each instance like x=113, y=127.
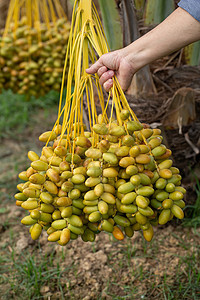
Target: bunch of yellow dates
x=31, y=60
x=124, y=184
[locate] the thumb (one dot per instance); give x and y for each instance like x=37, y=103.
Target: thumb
x=95, y=67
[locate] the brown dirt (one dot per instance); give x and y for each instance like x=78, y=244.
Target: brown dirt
x=106, y=269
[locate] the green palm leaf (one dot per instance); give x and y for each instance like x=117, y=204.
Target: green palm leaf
x=192, y=54
x=111, y=23
x=157, y=10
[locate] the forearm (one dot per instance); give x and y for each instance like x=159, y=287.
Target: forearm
x=175, y=32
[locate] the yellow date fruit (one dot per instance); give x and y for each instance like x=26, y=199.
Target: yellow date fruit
x=148, y=233
x=36, y=231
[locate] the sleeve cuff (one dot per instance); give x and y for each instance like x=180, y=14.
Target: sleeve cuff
x=192, y=7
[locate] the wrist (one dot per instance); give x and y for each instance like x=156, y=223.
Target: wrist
x=137, y=55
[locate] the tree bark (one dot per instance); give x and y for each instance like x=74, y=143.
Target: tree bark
x=3, y=12
x=142, y=83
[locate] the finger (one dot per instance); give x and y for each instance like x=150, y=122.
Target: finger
x=106, y=76
x=95, y=67
x=101, y=71
x=108, y=84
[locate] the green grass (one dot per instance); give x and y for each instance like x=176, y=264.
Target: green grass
x=16, y=111
x=183, y=283
x=192, y=218
x=27, y=274
x=186, y=283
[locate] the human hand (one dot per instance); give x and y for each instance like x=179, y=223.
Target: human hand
x=110, y=64
x=175, y=32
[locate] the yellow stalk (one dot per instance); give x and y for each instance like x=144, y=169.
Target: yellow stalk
x=86, y=9
x=53, y=15
x=37, y=19
x=9, y=17
x=29, y=17
x=59, y=10
x=85, y=40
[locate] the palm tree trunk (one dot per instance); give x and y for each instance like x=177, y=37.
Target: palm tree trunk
x=142, y=83
x=4, y=4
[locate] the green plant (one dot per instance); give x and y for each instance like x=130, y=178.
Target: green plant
x=29, y=274
x=111, y=21
x=192, y=54
x=16, y=111
x=186, y=280
x=192, y=218
x=157, y=10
